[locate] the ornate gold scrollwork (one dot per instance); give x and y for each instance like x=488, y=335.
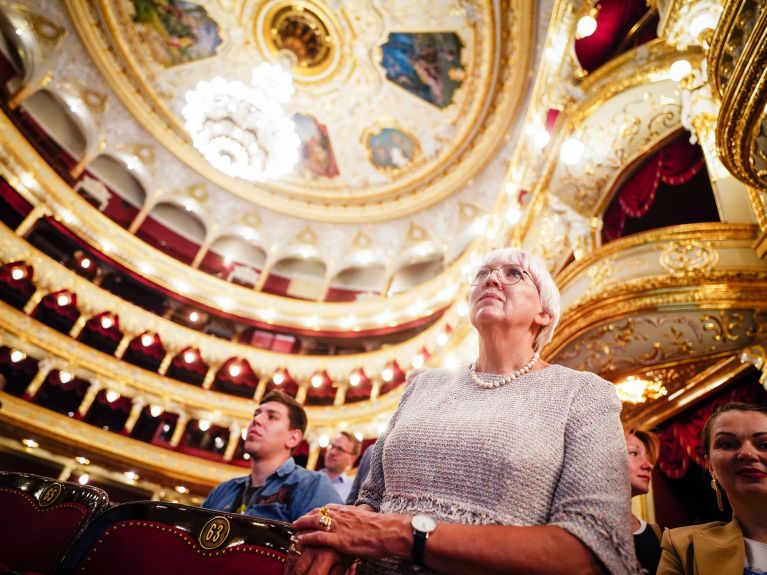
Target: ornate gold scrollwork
x=214, y=533
x=50, y=494
x=689, y=257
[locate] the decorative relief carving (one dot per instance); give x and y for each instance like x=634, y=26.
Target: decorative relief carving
x=689, y=257
x=637, y=342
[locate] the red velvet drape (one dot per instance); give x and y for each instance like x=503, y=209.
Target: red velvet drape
x=675, y=164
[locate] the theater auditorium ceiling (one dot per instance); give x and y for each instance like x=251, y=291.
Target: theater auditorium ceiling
x=207, y=200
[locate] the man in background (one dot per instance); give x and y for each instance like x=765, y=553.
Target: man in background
x=339, y=458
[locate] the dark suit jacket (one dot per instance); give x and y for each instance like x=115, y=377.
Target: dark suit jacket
x=708, y=549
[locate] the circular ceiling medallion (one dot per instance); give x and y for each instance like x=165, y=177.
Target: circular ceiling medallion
x=303, y=33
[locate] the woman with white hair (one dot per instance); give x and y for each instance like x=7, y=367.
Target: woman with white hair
x=507, y=465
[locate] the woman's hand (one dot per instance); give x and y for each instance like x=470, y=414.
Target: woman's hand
x=355, y=532
x=317, y=561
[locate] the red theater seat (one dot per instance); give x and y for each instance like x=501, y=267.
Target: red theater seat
x=154, y=538
x=41, y=519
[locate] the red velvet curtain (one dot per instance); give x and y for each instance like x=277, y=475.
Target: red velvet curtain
x=675, y=164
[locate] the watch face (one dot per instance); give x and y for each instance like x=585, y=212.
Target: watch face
x=424, y=523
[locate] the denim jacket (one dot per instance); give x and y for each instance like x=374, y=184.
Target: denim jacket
x=287, y=494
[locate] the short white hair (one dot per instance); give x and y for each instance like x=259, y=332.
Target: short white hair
x=547, y=289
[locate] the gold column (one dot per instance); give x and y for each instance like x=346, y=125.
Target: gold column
x=43, y=369
x=234, y=438
x=340, y=395
x=375, y=389
x=32, y=302
x=123, y=345
x=37, y=212
x=201, y=252
x=140, y=217
x=178, y=433
x=169, y=355
x=314, y=455
x=210, y=375
x=74, y=333
x=301, y=394
x=135, y=412
x=66, y=472
x=90, y=397
x=261, y=388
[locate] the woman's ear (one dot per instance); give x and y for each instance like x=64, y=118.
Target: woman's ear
x=707, y=463
x=543, y=318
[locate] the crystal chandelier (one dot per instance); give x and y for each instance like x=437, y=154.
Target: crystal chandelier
x=243, y=130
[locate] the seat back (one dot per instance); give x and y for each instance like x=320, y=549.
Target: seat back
x=156, y=538
x=42, y=518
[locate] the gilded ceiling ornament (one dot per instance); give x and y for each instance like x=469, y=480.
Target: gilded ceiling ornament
x=684, y=24
x=689, y=257
x=468, y=211
x=307, y=236
x=251, y=219
x=416, y=234
x=361, y=241
x=198, y=192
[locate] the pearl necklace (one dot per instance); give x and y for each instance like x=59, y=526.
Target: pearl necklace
x=506, y=378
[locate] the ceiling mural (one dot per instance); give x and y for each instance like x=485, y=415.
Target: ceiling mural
x=348, y=65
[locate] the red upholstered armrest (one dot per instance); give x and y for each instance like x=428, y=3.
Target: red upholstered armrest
x=149, y=548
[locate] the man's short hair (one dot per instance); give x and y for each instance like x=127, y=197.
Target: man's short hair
x=296, y=413
x=356, y=443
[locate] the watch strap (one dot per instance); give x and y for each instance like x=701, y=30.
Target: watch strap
x=419, y=547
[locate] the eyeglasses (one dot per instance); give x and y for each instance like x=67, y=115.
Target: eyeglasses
x=339, y=448
x=508, y=274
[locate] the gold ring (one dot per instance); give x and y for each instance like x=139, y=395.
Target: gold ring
x=326, y=522
x=325, y=511
x=295, y=550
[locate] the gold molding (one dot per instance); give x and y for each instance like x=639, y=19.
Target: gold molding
x=703, y=384
x=171, y=466
x=743, y=110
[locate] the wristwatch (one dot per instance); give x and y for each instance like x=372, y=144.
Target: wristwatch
x=423, y=526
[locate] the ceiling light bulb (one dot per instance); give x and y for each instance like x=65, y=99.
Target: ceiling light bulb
x=63, y=299
x=18, y=273
x=112, y=396
x=572, y=151
x=147, y=339
x=190, y=356
x=323, y=440
x=234, y=369
x=203, y=425
x=194, y=316
x=586, y=26
x=85, y=263
x=83, y=479
x=155, y=410
x=317, y=380
x=355, y=379
x=132, y=475
x=17, y=356
x=31, y=443
x=107, y=322
x=278, y=378
x=65, y=376
x=387, y=374
x=417, y=360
